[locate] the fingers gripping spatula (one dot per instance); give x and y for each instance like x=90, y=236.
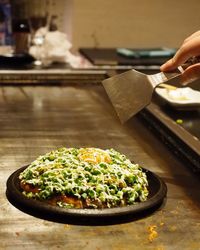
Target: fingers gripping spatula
x=131, y=91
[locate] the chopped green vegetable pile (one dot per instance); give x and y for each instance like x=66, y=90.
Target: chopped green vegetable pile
x=115, y=182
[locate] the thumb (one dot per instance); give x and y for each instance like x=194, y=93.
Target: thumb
x=191, y=74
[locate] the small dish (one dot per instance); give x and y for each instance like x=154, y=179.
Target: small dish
x=180, y=98
x=15, y=60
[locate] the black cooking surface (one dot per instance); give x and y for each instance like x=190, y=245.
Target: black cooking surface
x=188, y=119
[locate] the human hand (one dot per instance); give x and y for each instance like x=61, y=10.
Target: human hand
x=188, y=50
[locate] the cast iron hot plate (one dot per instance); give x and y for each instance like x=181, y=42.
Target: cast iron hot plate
x=157, y=192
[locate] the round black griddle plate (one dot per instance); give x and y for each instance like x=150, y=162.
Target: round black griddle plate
x=157, y=193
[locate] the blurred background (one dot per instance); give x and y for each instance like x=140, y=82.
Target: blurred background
x=127, y=23
x=133, y=23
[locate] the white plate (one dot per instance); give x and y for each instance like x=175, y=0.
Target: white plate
x=180, y=97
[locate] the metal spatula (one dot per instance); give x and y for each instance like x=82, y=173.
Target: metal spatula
x=131, y=91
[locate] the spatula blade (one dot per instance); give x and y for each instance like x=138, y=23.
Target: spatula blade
x=129, y=93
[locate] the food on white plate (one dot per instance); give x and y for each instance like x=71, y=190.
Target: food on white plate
x=84, y=178
x=179, y=94
x=180, y=98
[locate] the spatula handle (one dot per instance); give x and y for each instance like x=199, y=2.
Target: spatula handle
x=175, y=77
x=164, y=77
